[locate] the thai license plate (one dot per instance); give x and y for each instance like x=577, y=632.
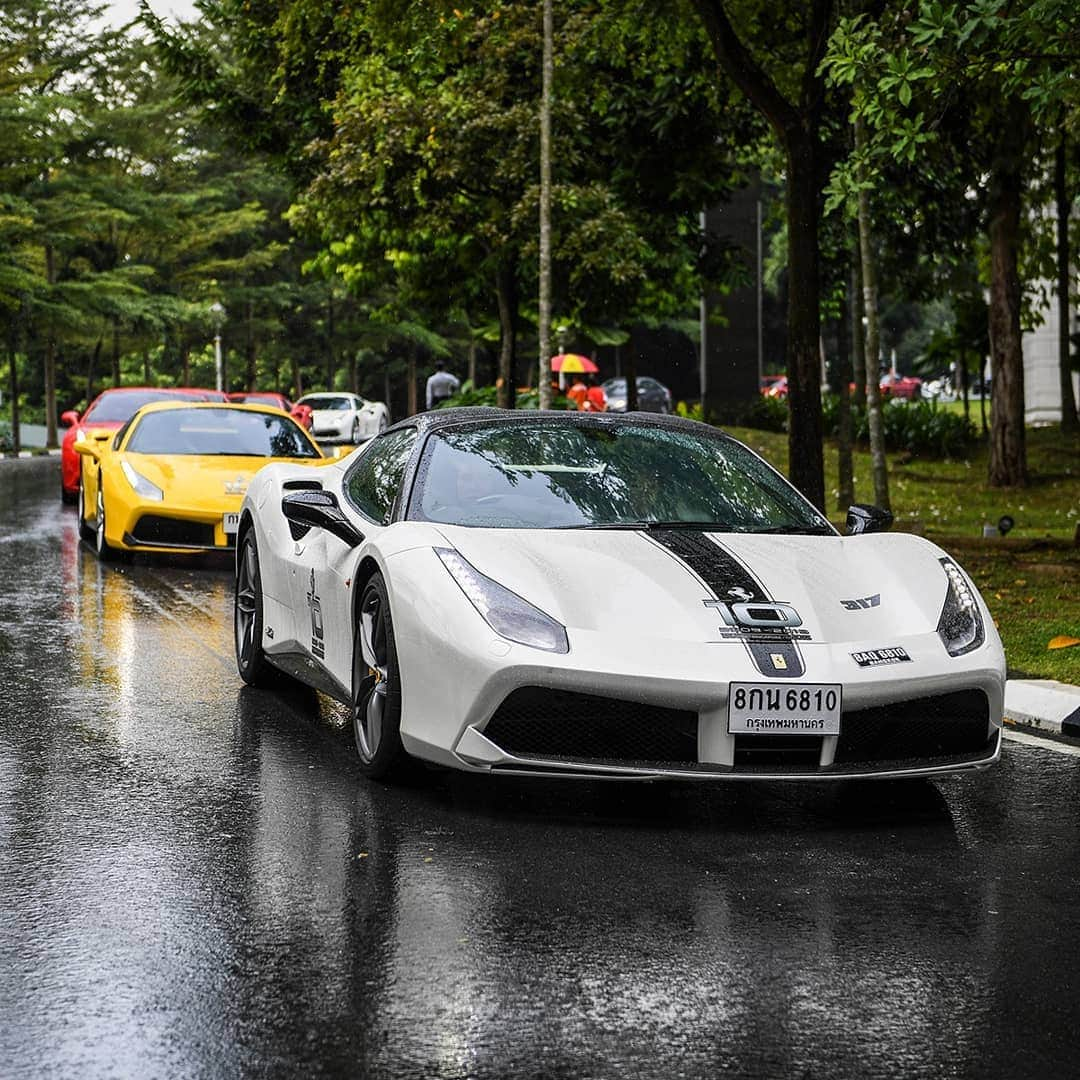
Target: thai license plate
x=777, y=709
x=230, y=523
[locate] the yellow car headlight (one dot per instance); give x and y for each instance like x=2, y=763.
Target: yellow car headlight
x=140, y=484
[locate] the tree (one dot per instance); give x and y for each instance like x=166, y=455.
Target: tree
x=775, y=62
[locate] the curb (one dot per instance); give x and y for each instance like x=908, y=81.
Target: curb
x=1043, y=705
x=22, y=454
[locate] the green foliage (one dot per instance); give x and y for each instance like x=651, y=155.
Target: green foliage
x=693, y=411
x=7, y=442
x=920, y=428
x=470, y=396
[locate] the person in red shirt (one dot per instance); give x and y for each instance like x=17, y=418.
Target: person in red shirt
x=578, y=392
x=595, y=397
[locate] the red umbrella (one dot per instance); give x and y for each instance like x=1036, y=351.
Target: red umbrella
x=572, y=362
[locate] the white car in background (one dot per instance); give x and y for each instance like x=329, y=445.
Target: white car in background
x=582, y=594
x=345, y=418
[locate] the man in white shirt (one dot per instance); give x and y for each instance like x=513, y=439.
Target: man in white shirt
x=441, y=385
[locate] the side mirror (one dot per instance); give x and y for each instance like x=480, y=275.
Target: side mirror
x=865, y=518
x=306, y=510
x=69, y=418
x=88, y=448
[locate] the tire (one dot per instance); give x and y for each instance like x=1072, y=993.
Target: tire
x=251, y=661
x=85, y=532
x=376, y=686
x=67, y=497
x=356, y=432
x=105, y=551
x=382, y=422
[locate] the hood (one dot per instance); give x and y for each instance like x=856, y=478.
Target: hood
x=843, y=589
x=192, y=479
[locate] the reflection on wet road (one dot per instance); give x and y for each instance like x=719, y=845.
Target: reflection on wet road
x=195, y=881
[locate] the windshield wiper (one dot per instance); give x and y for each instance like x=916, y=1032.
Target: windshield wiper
x=793, y=530
x=642, y=526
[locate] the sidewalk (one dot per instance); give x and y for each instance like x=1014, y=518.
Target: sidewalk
x=1043, y=705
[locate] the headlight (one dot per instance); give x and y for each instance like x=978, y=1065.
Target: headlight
x=504, y=611
x=141, y=485
x=960, y=626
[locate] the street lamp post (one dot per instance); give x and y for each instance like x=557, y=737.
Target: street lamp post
x=217, y=316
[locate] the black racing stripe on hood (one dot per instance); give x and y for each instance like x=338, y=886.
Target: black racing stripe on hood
x=723, y=573
x=720, y=570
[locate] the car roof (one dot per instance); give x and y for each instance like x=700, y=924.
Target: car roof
x=232, y=406
x=330, y=394
x=445, y=419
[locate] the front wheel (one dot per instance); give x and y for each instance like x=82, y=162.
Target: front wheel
x=251, y=661
x=85, y=531
x=105, y=551
x=376, y=685
x=356, y=431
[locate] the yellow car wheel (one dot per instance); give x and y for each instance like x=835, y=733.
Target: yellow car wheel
x=105, y=551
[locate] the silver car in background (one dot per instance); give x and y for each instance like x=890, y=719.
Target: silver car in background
x=653, y=396
x=345, y=418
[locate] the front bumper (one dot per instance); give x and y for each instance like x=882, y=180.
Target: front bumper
x=450, y=703
x=152, y=527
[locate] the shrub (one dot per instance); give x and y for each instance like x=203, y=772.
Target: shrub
x=470, y=396
x=919, y=427
x=7, y=442
x=690, y=412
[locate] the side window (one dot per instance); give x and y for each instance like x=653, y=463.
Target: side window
x=373, y=484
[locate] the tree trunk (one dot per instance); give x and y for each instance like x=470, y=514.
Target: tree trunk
x=185, y=360
x=91, y=369
x=50, y=357
x=879, y=462
x=412, y=403
x=1008, y=455
x=845, y=480
x=630, y=374
x=148, y=375
x=354, y=371
x=331, y=367
x=115, y=351
x=544, y=301
x=13, y=381
x=858, y=344
x=297, y=378
x=472, y=361
x=506, y=292
x=1069, y=422
x=250, y=364
x=805, y=436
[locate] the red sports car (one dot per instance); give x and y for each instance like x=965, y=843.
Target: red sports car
x=901, y=386
x=111, y=409
x=300, y=413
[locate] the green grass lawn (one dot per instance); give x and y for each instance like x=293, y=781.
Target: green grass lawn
x=1030, y=580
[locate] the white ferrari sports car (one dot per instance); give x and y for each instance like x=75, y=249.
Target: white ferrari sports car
x=626, y=595
x=345, y=418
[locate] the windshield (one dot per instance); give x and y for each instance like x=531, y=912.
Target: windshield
x=328, y=404
x=216, y=432
x=116, y=408
x=548, y=476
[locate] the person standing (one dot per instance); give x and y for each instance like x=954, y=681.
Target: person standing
x=441, y=386
x=595, y=396
x=578, y=392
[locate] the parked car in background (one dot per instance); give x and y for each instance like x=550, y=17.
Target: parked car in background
x=774, y=386
x=901, y=386
x=345, y=418
x=653, y=396
x=173, y=478
x=300, y=413
x=110, y=410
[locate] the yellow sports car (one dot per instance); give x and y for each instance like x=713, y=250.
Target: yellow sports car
x=173, y=477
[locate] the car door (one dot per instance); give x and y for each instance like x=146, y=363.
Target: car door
x=324, y=565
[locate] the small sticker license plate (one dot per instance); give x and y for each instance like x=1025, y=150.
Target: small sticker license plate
x=791, y=709
x=230, y=523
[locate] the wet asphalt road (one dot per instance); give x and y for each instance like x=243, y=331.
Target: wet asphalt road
x=195, y=881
